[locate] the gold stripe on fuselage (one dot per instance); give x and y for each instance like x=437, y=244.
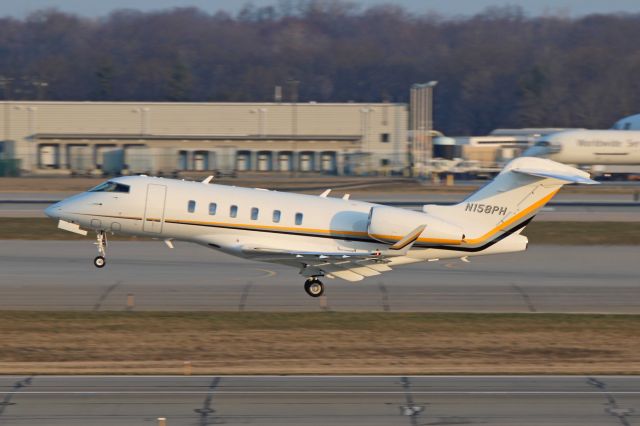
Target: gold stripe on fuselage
x=337, y=233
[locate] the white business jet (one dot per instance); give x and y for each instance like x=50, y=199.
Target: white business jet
x=319, y=235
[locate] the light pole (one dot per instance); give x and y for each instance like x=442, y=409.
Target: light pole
x=41, y=86
x=421, y=124
x=366, y=139
x=293, y=85
x=5, y=83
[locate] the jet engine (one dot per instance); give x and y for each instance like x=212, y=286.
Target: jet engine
x=389, y=224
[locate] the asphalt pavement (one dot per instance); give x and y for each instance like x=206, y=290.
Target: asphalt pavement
x=310, y=400
x=59, y=275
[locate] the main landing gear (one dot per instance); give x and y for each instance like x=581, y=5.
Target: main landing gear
x=101, y=242
x=314, y=287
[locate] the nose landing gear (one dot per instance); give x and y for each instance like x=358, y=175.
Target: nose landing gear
x=101, y=242
x=314, y=287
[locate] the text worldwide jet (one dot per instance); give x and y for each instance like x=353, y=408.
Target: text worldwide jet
x=318, y=235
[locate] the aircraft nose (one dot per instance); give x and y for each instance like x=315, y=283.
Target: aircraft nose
x=54, y=211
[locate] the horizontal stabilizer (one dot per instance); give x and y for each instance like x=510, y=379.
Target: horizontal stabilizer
x=565, y=177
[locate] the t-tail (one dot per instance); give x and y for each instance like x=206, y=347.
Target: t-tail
x=508, y=203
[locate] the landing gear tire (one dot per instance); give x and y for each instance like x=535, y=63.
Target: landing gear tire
x=101, y=242
x=99, y=261
x=314, y=287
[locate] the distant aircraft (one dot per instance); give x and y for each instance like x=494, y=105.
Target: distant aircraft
x=318, y=235
x=589, y=147
x=631, y=122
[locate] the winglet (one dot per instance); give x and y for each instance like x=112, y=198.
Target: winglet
x=208, y=179
x=325, y=193
x=409, y=239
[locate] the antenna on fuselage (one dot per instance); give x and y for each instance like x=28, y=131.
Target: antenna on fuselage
x=208, y=179
x=325, y=193
x=346, y=196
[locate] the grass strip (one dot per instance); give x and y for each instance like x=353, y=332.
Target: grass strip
x=569, y=233
x=317, y=343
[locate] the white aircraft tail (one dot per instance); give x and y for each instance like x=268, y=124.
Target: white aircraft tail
x=507, y=204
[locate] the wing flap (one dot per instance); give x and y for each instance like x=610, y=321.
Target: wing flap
x=348, y=275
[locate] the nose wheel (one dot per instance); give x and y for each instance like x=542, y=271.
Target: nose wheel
x=314, y=287
x=101, y=242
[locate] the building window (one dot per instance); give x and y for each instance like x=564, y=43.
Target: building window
x=191, y=207
x=298, y=218
x=212, y=208
x=276, y=216
x=254, y=213
x=384, y=162
x=233, y=211
x=385, y=137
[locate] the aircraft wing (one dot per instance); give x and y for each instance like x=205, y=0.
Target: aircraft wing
x=348, y=265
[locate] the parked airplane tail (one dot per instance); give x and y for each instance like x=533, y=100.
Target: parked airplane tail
x=509, y=202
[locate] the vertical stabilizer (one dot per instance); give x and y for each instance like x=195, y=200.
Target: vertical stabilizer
x=510, y=201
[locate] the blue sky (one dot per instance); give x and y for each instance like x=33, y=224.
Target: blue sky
x=20, y=8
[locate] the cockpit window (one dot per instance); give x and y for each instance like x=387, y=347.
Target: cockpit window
x=550, y=148
x=111, y=187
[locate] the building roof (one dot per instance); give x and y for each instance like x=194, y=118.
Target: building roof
x=138, y=136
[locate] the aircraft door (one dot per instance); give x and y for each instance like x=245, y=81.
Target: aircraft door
x=154, y=209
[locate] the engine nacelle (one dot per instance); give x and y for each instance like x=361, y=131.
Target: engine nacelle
x=389, y=224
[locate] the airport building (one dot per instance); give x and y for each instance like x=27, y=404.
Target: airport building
x=165, y=138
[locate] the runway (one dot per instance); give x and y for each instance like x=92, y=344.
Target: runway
x=299, y=400
x=57, y=275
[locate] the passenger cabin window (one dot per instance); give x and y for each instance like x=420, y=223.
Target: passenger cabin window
x=233, y=211
x=276, y=216
x=111, y=187
x=298, y=218
x=191, y=207
x=254, y=213
x=212, y=208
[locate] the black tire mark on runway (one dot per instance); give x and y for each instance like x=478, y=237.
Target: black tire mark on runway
x=245, y=296
x=410, y=410
x=612, y=405
x=106, y=294
x=385, y=296
x=207, y=406
x=9, y=396
x=525, y=297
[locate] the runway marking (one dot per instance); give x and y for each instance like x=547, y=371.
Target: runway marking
x=525, y=296
x=268, y=273
x=612, y=405
x=410, y=410
x=346, y=376
x=8, y=396
x=302, y=392
x=385, y=297
x=206, y=409
x=244, y=296
x=106, y=294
